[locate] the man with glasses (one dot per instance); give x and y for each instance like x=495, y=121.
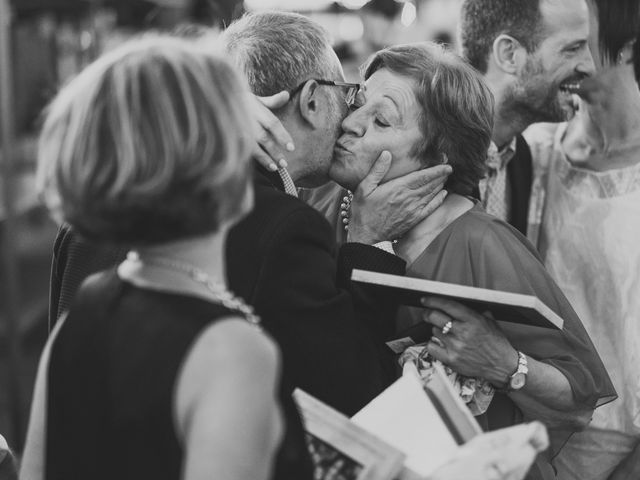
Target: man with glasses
x=283, y=257
x=351, y=89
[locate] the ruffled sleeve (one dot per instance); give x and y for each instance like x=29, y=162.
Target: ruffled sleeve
x=481, y=251
x=506, y=261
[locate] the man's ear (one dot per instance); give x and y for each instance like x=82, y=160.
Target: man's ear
x=310, y=103
x=508, y=54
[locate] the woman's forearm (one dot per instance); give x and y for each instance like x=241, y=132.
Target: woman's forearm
x=547, y=396
x=477, y=347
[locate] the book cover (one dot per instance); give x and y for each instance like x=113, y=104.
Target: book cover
x=504, y=306
x=428, y=427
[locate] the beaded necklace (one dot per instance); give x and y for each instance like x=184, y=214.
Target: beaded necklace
x=220, y=293
x=345, y=209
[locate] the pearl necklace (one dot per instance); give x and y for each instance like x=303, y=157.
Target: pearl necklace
x=219, y=291
x=345, y=212
x=345, y=208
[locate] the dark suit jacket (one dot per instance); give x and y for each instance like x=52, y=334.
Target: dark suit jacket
x=520, y=177
x=282, y=259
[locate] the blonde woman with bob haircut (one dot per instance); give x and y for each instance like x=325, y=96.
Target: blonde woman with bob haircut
x=157, y=371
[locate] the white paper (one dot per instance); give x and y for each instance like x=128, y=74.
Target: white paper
x=404, y=417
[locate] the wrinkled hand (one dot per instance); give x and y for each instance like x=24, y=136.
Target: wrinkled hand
x=474, y=346
x=505, y=454
x=386, y=211
x=273, y=140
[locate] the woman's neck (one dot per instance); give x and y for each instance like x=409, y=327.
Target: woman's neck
x=166, y=267
x=605, y=134
x=416, y=240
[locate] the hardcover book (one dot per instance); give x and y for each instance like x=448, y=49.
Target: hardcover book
x=405, y=433
x=504, y=306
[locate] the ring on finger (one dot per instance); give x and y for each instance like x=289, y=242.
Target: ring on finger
x=447, y=327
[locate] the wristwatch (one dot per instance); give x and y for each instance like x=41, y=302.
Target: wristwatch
x=519, y=378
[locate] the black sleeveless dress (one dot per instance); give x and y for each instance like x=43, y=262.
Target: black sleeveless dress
x=111, y=380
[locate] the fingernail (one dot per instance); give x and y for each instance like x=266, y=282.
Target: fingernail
x=273, y=167
x=444, y=194
x=283, y=163
x=291, y=147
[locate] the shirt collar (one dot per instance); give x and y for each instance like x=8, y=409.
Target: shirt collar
x=498, y=159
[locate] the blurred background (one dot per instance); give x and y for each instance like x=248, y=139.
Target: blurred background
x=43, y=43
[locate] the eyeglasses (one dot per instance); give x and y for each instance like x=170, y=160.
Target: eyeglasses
x=352, y=89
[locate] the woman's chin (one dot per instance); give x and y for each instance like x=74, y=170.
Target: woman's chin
x=340, y=174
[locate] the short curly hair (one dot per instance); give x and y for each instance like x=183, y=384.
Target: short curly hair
x=456, y=109
x=278, y=50
x=149, y=144
x=482, y=21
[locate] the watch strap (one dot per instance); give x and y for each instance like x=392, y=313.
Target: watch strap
x=522, y=368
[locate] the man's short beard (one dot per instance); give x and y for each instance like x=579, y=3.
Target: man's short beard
x=533, y=98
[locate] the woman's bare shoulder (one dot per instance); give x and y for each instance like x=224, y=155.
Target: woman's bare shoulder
x=232, y=342
x=230, y=356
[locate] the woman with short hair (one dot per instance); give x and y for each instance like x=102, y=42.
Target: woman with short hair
x=587, y=183
x=426, y=106
x=158, y=370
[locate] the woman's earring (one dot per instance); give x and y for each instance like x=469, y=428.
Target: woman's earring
x=621, y=58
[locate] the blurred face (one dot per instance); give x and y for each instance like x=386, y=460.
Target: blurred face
x=603, y=85
x=387, y=117
x=562, y=59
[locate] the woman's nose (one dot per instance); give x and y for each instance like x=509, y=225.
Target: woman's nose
x=353, y=124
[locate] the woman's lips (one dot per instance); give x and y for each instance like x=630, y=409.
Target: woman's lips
x=340, y=147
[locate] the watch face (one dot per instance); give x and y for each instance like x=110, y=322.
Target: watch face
x=517, y=381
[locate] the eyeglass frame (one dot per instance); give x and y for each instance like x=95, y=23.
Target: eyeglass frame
x=350, y=98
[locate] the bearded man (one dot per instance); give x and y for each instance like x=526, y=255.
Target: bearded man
x=530, y=53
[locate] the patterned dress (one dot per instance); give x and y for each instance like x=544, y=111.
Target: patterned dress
x=590, y=241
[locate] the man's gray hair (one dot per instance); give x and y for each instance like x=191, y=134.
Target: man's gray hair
x=278, y=50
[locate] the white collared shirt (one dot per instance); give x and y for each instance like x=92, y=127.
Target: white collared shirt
x=495, y=191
